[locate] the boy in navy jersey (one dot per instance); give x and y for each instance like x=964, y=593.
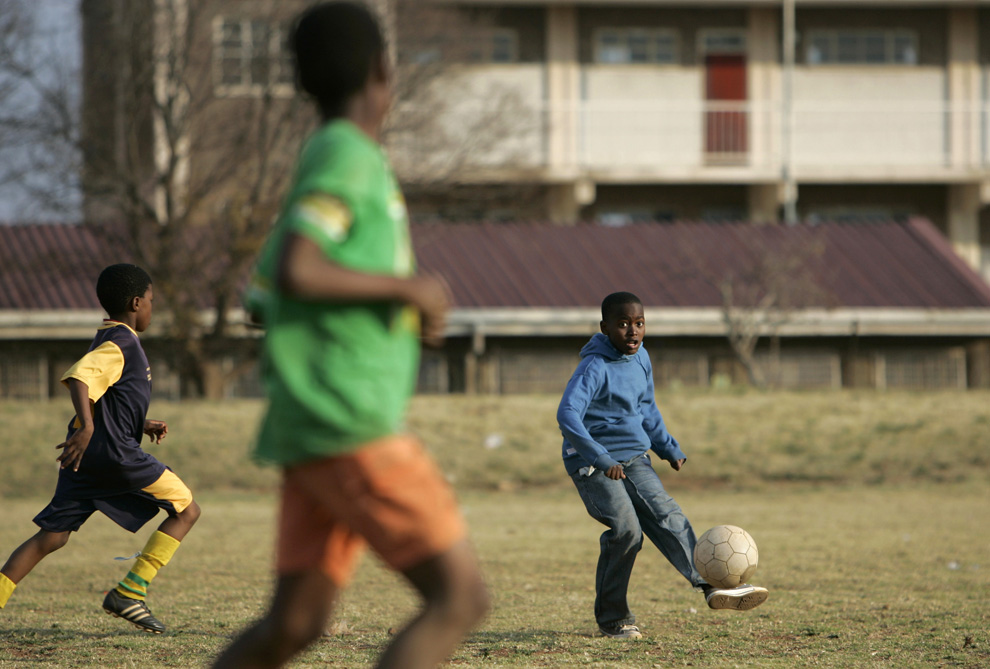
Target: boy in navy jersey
x=102, y=465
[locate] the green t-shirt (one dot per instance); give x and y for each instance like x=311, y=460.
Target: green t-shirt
x=337, y=375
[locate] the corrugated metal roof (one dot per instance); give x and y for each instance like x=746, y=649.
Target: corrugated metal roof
x=860, y=265
x=683, y=264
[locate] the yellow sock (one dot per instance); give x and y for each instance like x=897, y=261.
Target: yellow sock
x=6, y=589
x=156, y=554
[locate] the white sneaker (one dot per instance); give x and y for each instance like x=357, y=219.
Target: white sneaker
x=740, y=598
x=621, y=632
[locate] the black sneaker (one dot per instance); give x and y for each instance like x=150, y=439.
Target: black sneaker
x=132, y=610
x=621, y=632
x=740, y=598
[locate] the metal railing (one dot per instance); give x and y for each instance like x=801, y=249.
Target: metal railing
x=832, y=136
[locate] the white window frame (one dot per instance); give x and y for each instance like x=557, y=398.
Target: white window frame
x=625, y=36
x=280, y=74
x=890, y=38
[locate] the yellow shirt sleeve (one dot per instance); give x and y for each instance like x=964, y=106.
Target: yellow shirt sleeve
x=99, y=369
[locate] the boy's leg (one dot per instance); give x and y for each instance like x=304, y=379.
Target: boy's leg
x=661, y=518
x=298, y=616
x=608, y=502
x=390, y=495
x=455, y=601
x=26, y=557
x=127, y=599
x=316, y=555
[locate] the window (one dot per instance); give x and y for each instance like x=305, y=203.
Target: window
x=635, y=45
x=250, y=57
x=862, y=47
x=500, y=45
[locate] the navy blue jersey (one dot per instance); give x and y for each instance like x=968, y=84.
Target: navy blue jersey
x=117, y=373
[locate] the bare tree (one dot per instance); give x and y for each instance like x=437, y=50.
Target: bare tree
x=762, y=282
x=178, y=165
x=188, y=130
x=452, y=130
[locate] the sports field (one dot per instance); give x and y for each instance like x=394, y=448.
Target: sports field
x=871, y=510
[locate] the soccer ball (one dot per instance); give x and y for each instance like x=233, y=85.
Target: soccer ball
x=726, y=556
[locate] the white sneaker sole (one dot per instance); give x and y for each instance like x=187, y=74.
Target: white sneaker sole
x=749, y=598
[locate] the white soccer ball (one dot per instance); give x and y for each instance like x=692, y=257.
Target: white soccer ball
x=726, y=556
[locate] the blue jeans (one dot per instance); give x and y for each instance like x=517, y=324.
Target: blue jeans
x=630, y=508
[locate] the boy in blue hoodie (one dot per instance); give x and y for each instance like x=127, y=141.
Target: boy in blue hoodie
x=609, y=418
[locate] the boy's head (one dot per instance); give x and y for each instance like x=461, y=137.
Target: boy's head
x=623, y=322
x=339, y=51
x=125, y=289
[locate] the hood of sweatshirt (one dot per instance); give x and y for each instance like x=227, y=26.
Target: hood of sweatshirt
x=600, y=345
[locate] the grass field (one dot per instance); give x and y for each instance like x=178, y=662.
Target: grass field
x=872, y=513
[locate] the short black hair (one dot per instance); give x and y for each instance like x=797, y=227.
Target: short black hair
x=118, y=285
x=615, y=300
x=336, y=45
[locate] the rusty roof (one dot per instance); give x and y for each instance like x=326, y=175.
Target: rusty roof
x=685, y=264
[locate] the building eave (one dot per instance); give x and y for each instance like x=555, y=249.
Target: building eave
x=567, y=322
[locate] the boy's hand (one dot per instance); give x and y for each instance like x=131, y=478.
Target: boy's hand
x=677, y=464
x=156, y=429
x=431, y=296
x=616, y=473
x=74, y=447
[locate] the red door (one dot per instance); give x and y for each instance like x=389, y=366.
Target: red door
x=725, y=93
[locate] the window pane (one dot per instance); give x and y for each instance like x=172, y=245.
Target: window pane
x=230, y=71
x=820, y=50
x=260, y=35
x=638, y=48
x=230, y=33
x=874, y=48
x=503, y=48
x=848, y=48
x=905, y=49
x=666, y=49
x=612, y=48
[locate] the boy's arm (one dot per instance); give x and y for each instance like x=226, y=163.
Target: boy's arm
x=581, y=389
x=661, y=441
x=305, y=273
x=74, y=447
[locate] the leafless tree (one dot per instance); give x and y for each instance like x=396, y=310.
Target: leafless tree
x=451, y=130
x=770, y=274
x=180, y=165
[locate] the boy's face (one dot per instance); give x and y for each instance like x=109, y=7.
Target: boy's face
x=143, y=310
x=625, y=327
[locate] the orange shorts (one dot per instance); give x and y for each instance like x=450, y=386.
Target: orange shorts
x=388, y=495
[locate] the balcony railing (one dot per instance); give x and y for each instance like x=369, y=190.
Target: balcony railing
x=697, y=137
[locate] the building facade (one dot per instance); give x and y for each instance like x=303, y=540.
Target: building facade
x=664, y=110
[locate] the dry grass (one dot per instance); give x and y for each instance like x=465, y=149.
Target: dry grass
x=870, y=511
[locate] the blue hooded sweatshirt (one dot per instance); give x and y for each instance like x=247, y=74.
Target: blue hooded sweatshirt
x=609, y=413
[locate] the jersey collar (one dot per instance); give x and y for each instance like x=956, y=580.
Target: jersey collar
x=110, y=323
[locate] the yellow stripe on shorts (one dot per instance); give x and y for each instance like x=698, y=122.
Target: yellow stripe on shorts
x=171, y=488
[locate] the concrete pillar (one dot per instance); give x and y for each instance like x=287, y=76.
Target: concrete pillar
x=564, y=201
x=764, y=87
x=963, y=218
x=563, y=89
x=964, y=87
x=764, y=202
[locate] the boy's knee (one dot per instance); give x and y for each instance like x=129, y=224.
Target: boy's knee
x=191, y=513
x=627, y=533
x=52, y=541
x=464, y=602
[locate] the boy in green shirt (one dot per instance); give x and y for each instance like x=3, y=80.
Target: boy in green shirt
x=336, y=290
